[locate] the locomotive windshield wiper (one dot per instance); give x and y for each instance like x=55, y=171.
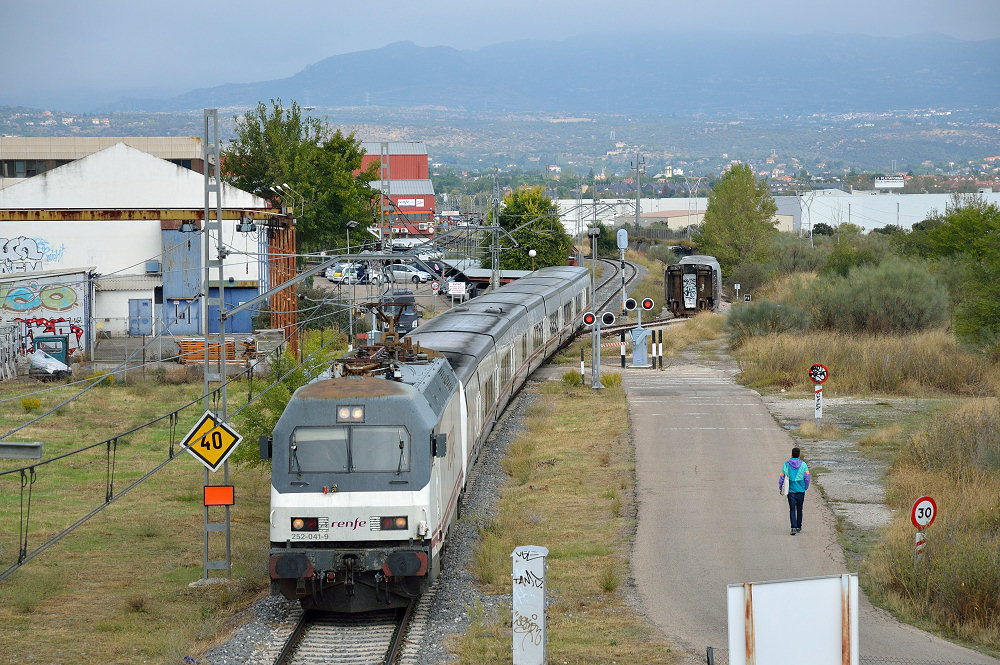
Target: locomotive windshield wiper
x=295, y=459
x=399, y=469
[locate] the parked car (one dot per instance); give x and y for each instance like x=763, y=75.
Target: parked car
x=404, y=272
x=357, y=273
x=330, y=272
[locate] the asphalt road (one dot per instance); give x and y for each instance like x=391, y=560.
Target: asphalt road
x=708, y=455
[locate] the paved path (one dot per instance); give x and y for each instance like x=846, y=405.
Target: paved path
x=708, y=454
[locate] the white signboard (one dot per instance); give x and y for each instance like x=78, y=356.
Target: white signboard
x=889, y=182
x=410, y=203
x=777, y=622
x=528, y=606
x=819, y=401
x=689, y=285
x=456, y=288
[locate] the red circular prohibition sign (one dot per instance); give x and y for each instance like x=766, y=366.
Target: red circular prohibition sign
x=923, y=512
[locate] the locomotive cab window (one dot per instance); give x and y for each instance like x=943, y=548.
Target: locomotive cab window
x=354, y=449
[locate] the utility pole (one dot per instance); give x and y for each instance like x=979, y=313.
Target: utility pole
x=639, y=165
x=213, y=185
x=495, y=225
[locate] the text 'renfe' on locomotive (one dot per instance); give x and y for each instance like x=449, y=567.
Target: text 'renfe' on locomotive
x=367, y=467
x=692, y=285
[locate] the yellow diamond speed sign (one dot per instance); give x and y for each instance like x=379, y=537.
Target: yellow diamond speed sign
x=211, y=441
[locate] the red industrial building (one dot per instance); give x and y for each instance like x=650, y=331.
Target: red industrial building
x=403, y=170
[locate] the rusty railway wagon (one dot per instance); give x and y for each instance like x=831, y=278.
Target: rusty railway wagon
x=692, y=285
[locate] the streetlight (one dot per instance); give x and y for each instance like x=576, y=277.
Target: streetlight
x=532, y=253
x=350, y=311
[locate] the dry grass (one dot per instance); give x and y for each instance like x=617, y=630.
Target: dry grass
x=955, y=458
x=573, y=495
x=115, y=590
x=919, y=365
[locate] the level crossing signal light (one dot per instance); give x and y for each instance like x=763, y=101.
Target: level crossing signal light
x=589, y=319
x=630, y=304
x=647, y=304
x=607, y=318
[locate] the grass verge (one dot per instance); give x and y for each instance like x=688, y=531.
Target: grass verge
x=115, y=590
x=571, y=490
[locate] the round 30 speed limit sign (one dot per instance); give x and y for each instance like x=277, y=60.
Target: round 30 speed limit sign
x=923, y=512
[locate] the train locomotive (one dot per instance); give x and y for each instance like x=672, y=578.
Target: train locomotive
x=369, y=466
x=692, y=285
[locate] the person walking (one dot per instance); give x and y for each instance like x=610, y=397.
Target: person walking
x=797, y=473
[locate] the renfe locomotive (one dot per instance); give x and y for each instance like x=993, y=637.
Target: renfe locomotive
x=368, y=467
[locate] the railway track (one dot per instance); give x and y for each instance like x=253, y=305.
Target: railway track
x=320, y=638
x=608, y=292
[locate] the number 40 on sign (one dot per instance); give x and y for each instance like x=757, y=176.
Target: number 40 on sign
x=211, y=441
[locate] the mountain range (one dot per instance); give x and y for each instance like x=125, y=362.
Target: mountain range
x=660, y=73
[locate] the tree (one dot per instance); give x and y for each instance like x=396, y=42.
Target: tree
x=739, y=220
x=532, y=219
x=277, y=146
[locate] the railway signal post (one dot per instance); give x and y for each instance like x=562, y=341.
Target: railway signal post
x=622, y=240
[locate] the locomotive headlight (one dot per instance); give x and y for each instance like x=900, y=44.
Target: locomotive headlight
x=393, y=523
x=305, y=524
x=350, y=414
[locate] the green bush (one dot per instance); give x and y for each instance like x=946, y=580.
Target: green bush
x=763, y=318
x=108, y=380
x=30, y=404
x=572, y=378
x=611, y=380
x=897, y=296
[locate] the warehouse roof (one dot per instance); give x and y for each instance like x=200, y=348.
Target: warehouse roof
x=120, y=178
x=395, y=148
x=406, y=187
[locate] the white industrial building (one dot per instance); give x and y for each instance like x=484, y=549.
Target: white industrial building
x=869, y=210
x=99, y=246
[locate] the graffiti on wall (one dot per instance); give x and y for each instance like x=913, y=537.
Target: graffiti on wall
x=38, y=327
x=24, y=254
x=51, y=305
x=28, y=296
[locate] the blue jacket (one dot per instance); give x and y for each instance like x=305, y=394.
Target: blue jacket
x=798, y=475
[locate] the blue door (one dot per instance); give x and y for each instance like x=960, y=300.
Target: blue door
x=241, y=322
x=140, y=316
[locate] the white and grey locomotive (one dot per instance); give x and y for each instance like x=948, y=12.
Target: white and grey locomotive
x=368, y=467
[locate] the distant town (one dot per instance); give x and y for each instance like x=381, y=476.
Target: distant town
x=929, y=151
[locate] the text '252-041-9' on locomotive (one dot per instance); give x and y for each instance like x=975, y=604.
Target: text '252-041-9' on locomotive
x=369, y=463
x=692, y=285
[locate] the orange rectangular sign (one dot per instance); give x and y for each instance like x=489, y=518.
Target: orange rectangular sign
x=219, y=495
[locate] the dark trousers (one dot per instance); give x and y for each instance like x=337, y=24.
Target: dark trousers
x=795, y=500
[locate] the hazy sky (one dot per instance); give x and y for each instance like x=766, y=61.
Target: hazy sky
x=93, y=49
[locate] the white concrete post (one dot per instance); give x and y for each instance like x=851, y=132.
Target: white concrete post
x=528, y=606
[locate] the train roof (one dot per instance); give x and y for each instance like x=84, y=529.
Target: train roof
x=703, y=259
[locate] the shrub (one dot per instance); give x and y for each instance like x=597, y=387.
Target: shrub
x=763, y=318
x=107, y=380
x=573, y=379
x=611, y=380
x=897, y=296
x=30, y=404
